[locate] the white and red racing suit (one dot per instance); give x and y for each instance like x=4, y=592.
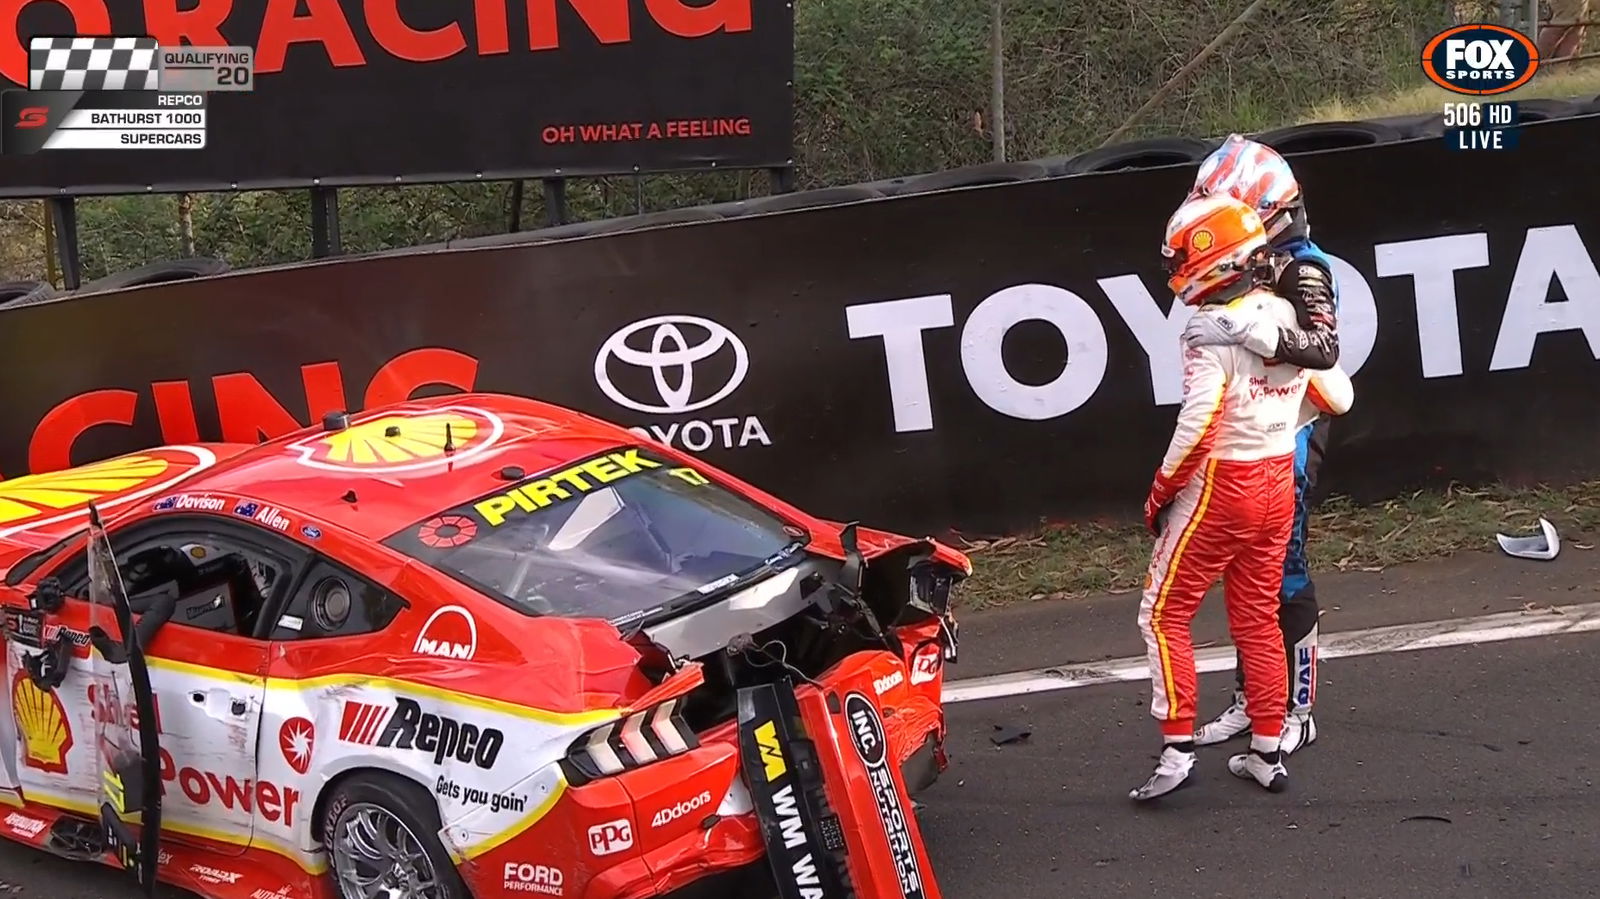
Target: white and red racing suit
x=1225, y=499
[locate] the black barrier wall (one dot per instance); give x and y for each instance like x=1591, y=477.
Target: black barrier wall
x=978, y=359
x=364, y=92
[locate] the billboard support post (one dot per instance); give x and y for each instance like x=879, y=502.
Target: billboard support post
x=64, y=215
x=555, y=201
x=514, y=219
x=324, y=222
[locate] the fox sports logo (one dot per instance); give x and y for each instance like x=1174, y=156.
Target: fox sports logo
x=1480, y=60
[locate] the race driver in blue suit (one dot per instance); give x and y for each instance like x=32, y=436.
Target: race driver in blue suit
x=1258, y=176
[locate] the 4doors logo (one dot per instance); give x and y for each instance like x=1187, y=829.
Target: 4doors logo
x=1480, y=59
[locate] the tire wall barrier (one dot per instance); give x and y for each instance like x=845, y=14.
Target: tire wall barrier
x=979, y=357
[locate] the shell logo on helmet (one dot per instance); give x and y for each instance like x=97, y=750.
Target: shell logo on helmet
x=1480, y=59
x=403, y=441
x=1210, y=242
x=52, y=497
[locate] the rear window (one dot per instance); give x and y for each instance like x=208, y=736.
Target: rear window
x=618, y=535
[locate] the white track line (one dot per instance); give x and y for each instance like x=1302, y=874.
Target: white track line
x=1575, y=619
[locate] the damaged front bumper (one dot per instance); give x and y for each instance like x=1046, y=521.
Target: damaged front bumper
x=831, y=797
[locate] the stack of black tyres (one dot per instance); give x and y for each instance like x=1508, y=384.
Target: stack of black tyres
x=162, y=272
x=23, y=293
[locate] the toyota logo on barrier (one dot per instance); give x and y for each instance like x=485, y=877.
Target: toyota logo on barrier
x=671, y=356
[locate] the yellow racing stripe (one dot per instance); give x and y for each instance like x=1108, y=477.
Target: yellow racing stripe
x=1166, y=587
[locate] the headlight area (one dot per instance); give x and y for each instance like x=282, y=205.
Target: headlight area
x=633, y=742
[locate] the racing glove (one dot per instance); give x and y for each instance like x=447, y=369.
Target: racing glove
x=1155, y=505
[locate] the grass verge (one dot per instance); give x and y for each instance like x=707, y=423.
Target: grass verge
x=1070, y=561
x=1577, y=80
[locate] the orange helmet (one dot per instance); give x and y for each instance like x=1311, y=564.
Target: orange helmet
x=1210, y=244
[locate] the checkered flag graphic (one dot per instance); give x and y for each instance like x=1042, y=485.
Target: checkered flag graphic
x=93, y=64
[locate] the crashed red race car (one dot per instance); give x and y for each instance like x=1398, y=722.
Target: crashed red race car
x=468, y=645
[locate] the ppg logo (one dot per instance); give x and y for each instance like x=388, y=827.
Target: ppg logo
x=1480, y=59
x=611, y=837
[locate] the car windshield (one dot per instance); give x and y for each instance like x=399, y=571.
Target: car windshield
x=618, y=536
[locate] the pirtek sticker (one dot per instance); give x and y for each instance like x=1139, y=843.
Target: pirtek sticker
x=534, y=494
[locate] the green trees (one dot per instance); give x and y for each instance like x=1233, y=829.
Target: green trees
x=883, y=88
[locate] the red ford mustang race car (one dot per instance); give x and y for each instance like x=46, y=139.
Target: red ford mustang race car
x=468, y=645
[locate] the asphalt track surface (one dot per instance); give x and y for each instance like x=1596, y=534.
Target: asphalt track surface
x=1457, y=772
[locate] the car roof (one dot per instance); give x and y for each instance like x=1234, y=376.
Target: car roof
x=395, y=462
x=393, y=459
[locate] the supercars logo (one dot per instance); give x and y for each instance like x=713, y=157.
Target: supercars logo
x=295, y=739
x=403, y=441
x=36, y=500
x=46, y=735
x=771, y=752
x=1480, y=59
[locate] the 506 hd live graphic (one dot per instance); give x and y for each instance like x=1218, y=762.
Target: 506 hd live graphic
x=1480, y=60
x=117, y=93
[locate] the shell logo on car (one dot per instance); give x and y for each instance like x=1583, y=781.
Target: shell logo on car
x=55, y=496
x=42, y=722
x=402, y=441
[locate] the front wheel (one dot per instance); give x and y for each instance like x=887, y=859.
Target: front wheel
x=381, y=831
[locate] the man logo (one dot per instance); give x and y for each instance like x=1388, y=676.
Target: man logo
x=669, y=351
x=1480, y=59
x=771, y=753
x=449, y=633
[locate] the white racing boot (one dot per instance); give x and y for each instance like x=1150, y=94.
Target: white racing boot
x=1263, y=764
x=1227, y=725
x=1299, y=731
x=1172, y=772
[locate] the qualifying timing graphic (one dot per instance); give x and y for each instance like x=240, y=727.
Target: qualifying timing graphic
x=118, y=93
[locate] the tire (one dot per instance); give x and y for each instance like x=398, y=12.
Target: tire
x=1327, y=136
x=1544, y=110
x=654, y=219
x=158, y=273
x=403, y=801
x=890, y=186
x=20, y=293
x=523, y=238
x=1140, y=154
x=974, y=176
x=1430, y=124
x=808, y=199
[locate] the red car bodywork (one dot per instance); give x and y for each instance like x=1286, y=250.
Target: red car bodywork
x=338, y=495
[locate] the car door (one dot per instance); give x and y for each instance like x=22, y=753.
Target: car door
x=207, y=670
